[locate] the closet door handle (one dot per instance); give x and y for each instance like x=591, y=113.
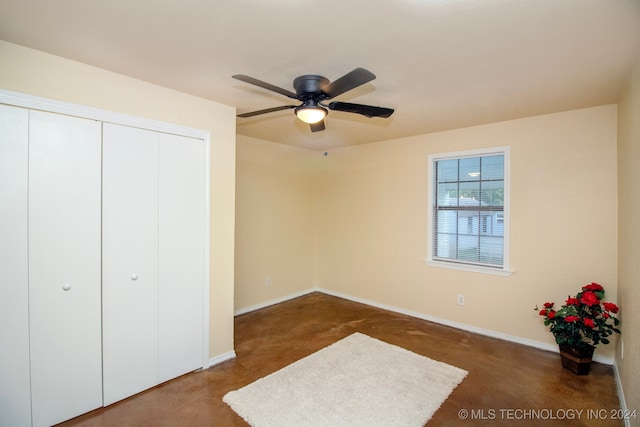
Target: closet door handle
x=134, y=277
x=66, y=287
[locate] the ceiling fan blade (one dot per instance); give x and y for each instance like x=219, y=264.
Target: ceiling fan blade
x=365, y=110
x=265, y=85
x=267, y=110
x=316, y=127
x=349, y=81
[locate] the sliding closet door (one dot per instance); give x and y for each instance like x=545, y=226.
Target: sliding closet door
x=15, y=409
x=181, y=255
x=64, y=266
x=130, y=261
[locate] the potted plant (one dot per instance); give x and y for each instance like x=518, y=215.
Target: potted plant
x=583, y=322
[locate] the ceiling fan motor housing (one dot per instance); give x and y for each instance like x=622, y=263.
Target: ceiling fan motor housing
x=310, y=86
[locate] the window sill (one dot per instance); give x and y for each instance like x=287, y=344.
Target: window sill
x=469, y=267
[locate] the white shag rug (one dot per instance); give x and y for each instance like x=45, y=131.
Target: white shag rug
x=357, y=381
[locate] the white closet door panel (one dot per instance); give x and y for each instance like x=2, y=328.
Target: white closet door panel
x=15, y=397
x=130, y=261
x=181, y=255
x=64, y=266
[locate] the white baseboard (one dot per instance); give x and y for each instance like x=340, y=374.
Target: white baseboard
x=462, y=326
x=272, y=302
x=222, y=358
x=621, y=398
x=446, y=322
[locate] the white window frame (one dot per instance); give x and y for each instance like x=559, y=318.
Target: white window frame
x=505, y=270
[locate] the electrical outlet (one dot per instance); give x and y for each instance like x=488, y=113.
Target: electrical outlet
x=267, y=281
x=460, y=299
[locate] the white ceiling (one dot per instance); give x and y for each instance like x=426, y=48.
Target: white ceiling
x=442, y=64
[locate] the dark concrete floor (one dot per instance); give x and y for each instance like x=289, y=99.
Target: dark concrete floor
x=508, y=384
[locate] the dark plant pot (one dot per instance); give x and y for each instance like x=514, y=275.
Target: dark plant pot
x=577, y=360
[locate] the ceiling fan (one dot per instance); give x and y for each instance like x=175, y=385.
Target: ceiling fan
x=311, y=90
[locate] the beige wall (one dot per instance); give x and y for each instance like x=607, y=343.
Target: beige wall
x=275, y=221
x=373, y=222
x=36, y=73
x=629, y=239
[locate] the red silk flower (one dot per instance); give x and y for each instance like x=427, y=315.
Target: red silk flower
x=592, y=287
x=589, y=298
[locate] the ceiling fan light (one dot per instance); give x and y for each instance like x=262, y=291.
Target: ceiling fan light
x=311, y=115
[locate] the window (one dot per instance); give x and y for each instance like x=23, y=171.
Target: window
x=468, y=210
